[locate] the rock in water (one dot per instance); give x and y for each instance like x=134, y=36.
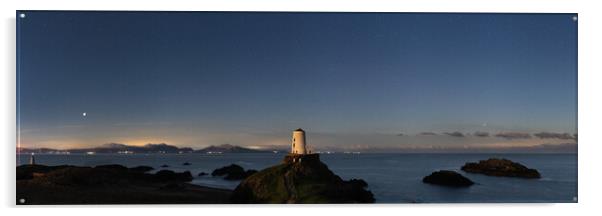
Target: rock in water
x=233, y=172
x=501, y=167
x=300, y=179
x=447, y=178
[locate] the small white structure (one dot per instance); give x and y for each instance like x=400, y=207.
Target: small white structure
x=32, y=159
x=298, y=145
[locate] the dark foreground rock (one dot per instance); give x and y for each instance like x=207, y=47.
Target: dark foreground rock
x=112, y=184
x=300, y=179
x=233, y=172
x=142, y=169
x=447, y=178
x=501, y=167
x=25, y=172
x=171, y=176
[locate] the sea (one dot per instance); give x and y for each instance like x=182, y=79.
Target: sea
x=392, y=177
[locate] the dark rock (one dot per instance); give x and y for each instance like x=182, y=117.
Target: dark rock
x=164, y=166
x=239, y=176
x=99, y=176
x=186, y=164
x=233, y=172
x=358, y=182
x=203, y=174
x=40, y=184
x=142, y=169
x=447, y=178
x=173, y=187
x=170, y=176
x=300, y=179
x=501, y=167
x=250, y=172
x=112, y=166
x=232, y=168
x=28, y=171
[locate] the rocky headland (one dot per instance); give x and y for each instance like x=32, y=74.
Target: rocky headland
x=300, y=179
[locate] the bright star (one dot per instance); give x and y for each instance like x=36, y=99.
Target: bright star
x=84, y=114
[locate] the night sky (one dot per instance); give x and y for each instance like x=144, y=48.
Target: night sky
x=349, y=79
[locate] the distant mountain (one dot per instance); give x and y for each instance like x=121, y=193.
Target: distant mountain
x=123, y=148
x=145, y=149
x=116, y=148
x=227, y=148
x=40, y=150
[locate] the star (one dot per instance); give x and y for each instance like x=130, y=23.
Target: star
x=84, y=114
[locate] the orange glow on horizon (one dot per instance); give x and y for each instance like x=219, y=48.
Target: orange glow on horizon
x=144, y=141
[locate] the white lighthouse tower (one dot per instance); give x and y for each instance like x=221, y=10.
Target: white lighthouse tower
x=298, y=145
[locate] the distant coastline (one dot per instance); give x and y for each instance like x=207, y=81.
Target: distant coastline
x=162, y=148
x=114, y=148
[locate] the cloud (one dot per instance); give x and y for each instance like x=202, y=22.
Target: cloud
x=455, y=134
x=427, y=134
x=550, y=135
x=481, y=134
x=513, y=135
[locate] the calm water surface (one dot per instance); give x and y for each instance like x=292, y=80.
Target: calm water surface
x=393, y=178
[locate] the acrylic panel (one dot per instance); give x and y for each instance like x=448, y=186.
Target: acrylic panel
x=126, y=107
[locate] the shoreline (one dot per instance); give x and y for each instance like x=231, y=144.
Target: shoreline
x=77, y=185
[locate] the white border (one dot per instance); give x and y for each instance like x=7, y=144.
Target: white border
x=589, y=103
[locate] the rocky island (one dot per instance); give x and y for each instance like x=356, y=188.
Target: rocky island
x=447, y=178
x=501, y=167
x=110, y=184
x=233, y=172
x=301, y=178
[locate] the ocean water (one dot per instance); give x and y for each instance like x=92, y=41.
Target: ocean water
x=392, y=178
